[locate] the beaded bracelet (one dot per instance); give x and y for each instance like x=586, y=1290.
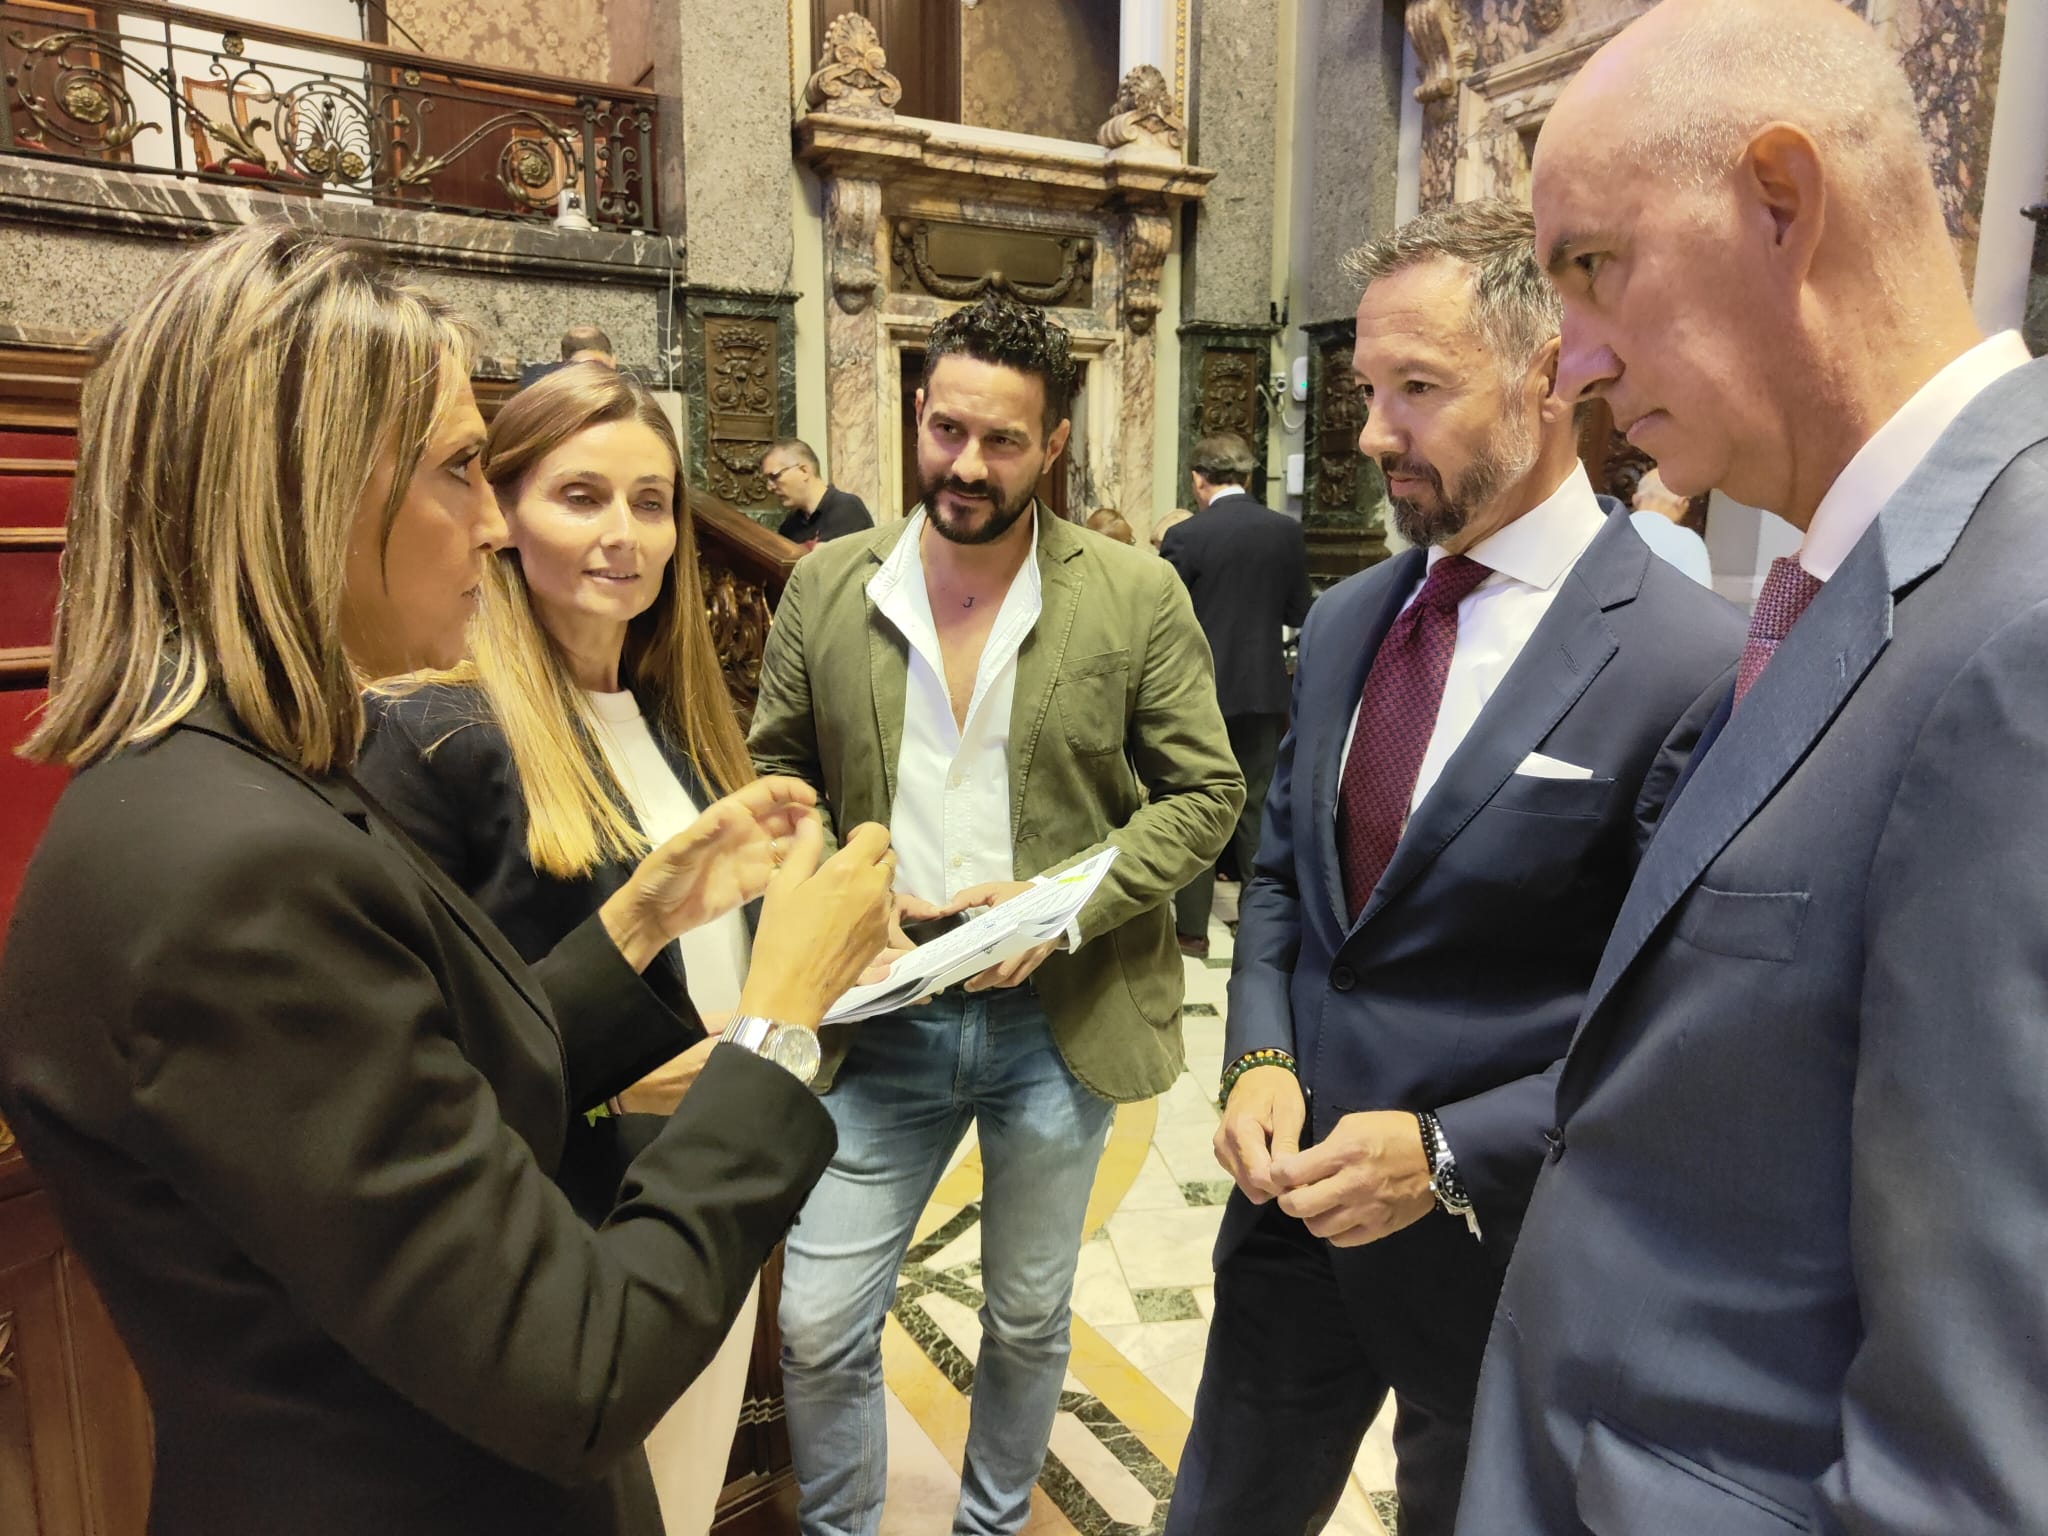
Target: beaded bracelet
x=1266, y=1057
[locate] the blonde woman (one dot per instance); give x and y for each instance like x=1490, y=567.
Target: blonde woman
x=591, y=724
x=296, y=1099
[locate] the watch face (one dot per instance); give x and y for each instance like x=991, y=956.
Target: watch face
x=795, y=1049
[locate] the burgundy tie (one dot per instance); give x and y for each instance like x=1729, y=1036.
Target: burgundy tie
x=1396, y=717
x=1787, y=590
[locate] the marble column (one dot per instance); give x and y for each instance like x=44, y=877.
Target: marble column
x=857, y=410
x=1148, y=236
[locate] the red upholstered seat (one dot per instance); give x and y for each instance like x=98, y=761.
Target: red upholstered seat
x=28, y=791
x=33, y=501
x=28, y=597
x=28, y=444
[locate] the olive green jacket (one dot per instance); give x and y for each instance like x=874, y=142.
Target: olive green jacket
x=1115, y=689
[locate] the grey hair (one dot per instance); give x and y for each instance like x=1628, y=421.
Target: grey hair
x=1732, y=70
x=1514, y=307
x=1223, y=458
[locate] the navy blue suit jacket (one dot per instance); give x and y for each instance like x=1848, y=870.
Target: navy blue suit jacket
x=1457, y=989
x=1786, y=1271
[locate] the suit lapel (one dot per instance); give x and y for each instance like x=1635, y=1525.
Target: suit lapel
x=1813, y=674
x=1378, y=608
x=1044, y=651
x=1569, y=647
x=888, y=673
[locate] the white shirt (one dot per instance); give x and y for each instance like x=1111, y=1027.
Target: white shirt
x=1222, y=491
x=1896, y=449
x=950, y=824
x=715, y=956
x=1529, y=560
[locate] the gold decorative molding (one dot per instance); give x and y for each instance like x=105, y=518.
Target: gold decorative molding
x=1146, y=117
x=852, y=78
x=1444, y=54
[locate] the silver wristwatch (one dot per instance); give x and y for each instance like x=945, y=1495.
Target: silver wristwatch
x=790, y=1046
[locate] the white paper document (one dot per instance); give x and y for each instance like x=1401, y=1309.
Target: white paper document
x=995, y=935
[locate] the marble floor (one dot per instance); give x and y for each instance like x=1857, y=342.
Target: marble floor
x=1142, y=1300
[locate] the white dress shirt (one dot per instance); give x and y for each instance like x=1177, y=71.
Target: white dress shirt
x=1896, y=449
x=715, y=956
x=950, y=824
x=1222, y=491
x=1529, y=560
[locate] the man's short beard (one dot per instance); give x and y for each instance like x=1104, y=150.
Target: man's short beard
x=1003, y=513
x=1507, y=456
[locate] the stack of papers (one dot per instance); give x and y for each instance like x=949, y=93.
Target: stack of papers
x=998, y=934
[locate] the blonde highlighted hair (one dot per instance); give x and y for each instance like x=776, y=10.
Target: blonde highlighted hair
x=576, y=815
x=227, y=439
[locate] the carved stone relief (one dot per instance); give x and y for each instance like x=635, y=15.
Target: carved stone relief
x=853, y=221
x=852, y=78
x=1444, y=52
x=911, y=250
x=1146, y=116
x=1229, y=397
x=740, y=406
x=1147, y=239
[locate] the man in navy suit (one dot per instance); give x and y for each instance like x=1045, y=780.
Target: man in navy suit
x=1485, y=730
x=1246, y=570
x=1784, y=1271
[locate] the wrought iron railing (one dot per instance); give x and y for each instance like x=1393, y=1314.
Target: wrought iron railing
x=160, y=88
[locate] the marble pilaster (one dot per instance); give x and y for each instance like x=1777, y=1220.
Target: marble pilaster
x=1147, y=238
x=1222, y=369
x=728, y=61
x=856, y=394
x=1228, y=270
x=1357, y=126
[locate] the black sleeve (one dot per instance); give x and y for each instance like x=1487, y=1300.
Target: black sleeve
x=329, y=1118
x=419, y=755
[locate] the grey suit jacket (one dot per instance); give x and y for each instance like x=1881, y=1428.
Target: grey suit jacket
x=1785, y=1269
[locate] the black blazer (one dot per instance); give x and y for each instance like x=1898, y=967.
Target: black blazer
x=839, y=513
x=1246, y=568
x=298, y=1104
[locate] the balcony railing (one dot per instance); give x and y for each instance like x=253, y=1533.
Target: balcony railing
x=147, y=87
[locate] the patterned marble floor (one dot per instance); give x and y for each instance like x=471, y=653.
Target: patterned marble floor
x=1142, y=1301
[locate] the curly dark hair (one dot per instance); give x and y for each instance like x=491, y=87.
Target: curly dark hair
x=1012, y=335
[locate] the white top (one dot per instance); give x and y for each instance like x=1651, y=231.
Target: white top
x=715, y=956
x=1675, y=545
x=950, y=824
x=1222, y=491
x=1529, y=560
x=1895, y=450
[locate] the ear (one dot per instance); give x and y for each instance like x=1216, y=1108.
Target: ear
x=1542, y=382
x=1782, y=180
x=917, y=410
x=1056, y=444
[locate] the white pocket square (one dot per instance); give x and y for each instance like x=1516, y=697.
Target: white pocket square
x=1537, y=766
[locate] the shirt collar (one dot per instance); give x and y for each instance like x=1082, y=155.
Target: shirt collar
x=1538, y=547
x=898, y=588
x=1222, y=491
x=1884, y=464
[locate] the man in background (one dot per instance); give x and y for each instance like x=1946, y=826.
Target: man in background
x=1246, y=568
x=1783, y=1271
x=818, y=510
x=580, y=344
x=1660, y=517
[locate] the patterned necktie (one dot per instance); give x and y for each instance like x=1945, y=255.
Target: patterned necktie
x=1787, y=590
x=1396, y=717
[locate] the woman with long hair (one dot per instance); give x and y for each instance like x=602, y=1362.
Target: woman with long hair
x=590, y=723
x=297, y=1101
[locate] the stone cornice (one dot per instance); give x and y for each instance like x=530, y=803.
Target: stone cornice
x=939, y=156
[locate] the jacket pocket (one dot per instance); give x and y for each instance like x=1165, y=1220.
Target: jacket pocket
x=1534, y=796
x=1091, y=694
x=1628, y=1487
x=1744, y=925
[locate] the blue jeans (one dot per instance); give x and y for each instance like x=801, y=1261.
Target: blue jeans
x=902, y=1101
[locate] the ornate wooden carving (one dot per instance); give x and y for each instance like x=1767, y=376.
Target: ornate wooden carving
x=1147, y=237
x=1444, y=53
x=745, y=567
x=852, y=78
x=1340, y=417
x=911, y=249
x=740, y=387
x=1229, y=397
x=1146, y=115
x=6, y=1349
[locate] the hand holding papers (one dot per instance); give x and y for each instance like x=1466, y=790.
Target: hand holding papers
x=1001, y=933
